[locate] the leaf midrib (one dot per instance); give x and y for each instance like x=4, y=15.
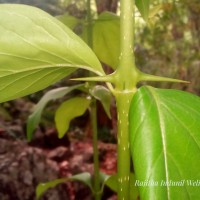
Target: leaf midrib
x=163, y=139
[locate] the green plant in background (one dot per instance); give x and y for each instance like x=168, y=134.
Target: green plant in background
x=158, y=127
x=179, y=53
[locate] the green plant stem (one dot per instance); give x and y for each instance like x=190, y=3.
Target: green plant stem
x=126, y=77
x=93, y=114
x=127, y=22
x=123, y=151
x=89, y=24
x=126, y=73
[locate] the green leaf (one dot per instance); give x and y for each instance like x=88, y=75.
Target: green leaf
x=106, y=38
x=37, y=50
x=83, y=177
x=102, y=94
x=54, y=94
x=68, y=20
x=165, y=143
x=103, y=178
x=69, y=110
x=43, y=187
x=143, y=7
x=112, y=183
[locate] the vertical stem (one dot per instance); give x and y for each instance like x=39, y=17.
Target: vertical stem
x=126, y=66
x=89, y=24
x=123, y=103
x=126, y=77
x=93, y=114
x=127, y=24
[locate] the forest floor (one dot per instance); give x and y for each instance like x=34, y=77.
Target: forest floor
x=23, y=165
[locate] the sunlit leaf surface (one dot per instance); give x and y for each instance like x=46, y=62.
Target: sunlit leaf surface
x=37, y=50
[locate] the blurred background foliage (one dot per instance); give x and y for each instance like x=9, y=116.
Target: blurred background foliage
x=170, y=44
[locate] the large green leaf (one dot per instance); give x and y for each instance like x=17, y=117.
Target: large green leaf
x=165, y=143
x=84, y=177
x=143, y=7
x=67, y=111
x=36, y=50
x=106, y=38
x=54, y=94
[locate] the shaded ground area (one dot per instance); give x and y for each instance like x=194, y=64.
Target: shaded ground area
x=22, y=168
x=24, y=165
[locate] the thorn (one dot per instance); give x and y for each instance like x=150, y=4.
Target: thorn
x=149, y=77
